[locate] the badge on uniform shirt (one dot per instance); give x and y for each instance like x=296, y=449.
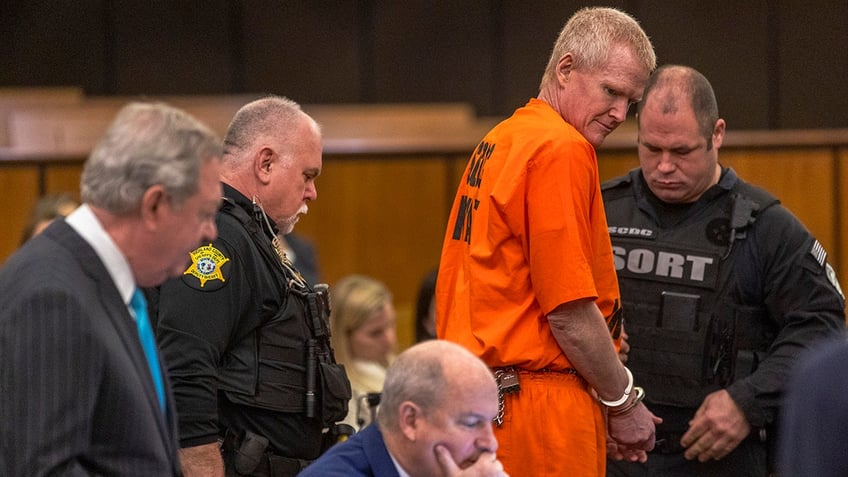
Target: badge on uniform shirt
x=831, y=276
x=206, y=263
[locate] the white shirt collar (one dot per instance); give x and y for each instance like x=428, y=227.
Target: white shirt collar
x=401, y=472
x=85, y=223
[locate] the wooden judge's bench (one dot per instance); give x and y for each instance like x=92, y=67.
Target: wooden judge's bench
x=390, y=174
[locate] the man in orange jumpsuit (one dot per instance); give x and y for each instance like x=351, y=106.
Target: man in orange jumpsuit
x=526, y=279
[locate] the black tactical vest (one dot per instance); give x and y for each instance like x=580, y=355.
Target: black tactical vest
x=690, y=330
x=284, y=362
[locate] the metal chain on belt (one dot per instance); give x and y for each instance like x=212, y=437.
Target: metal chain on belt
x=498, y=420
x=507, y=379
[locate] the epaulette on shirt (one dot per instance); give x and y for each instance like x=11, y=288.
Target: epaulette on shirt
x=617, y=188
x=761, y=198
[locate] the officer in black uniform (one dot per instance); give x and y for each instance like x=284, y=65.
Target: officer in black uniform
x=244, y=336
x=722, y=287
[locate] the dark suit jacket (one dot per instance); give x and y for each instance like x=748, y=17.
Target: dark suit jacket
x=364, y=454
x=76, y=396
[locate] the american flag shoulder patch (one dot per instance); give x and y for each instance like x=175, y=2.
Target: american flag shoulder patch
x=818, y=252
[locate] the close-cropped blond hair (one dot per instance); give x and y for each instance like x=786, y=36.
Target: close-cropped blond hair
x=591, y=33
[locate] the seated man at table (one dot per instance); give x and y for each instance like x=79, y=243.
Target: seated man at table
x=435, y=419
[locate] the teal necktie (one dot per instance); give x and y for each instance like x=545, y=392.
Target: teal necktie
x=145, y=334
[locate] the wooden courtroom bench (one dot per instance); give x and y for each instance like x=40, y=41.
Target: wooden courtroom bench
x=17, y=98
x=73, y=129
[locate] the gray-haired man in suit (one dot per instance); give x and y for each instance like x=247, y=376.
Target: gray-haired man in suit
x=82, y=394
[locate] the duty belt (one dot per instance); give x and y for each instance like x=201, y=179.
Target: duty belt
x=669, y=442
x=245, y=455
x=508, y=383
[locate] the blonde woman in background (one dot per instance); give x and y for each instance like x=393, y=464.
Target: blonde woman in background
x=44, y=211
x=364, y=338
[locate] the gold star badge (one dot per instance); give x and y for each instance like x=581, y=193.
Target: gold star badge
x=206, y=263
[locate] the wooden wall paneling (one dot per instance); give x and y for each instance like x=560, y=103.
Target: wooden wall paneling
x=734, y=59
x=813, y=64
x=404, y=126
x=380, y=216
x=524, y=46
x=67, y=129
x=780, y=70
x=171, y=47
x=842, y=216
x=53, y=44
x=63, y=178
x=614, y=163
x=19, y=184
x=456, y=168
x=803, y=179
x=216, y=111
x=20, y=97
x=60, y=129
x=433, y=51
x=312, y=52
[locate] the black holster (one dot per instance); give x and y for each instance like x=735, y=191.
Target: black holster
x=245, y=454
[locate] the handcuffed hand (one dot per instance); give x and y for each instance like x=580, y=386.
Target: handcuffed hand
x=630, y=435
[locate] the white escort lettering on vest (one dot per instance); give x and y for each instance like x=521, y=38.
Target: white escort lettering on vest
x=662, y=264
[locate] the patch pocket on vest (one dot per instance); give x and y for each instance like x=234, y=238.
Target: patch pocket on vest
x=335, y=392
x=671, y=363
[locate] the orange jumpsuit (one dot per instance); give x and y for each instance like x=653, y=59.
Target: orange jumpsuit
x=526, y=233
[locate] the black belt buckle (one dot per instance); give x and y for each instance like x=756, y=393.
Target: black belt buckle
x=668, y=444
